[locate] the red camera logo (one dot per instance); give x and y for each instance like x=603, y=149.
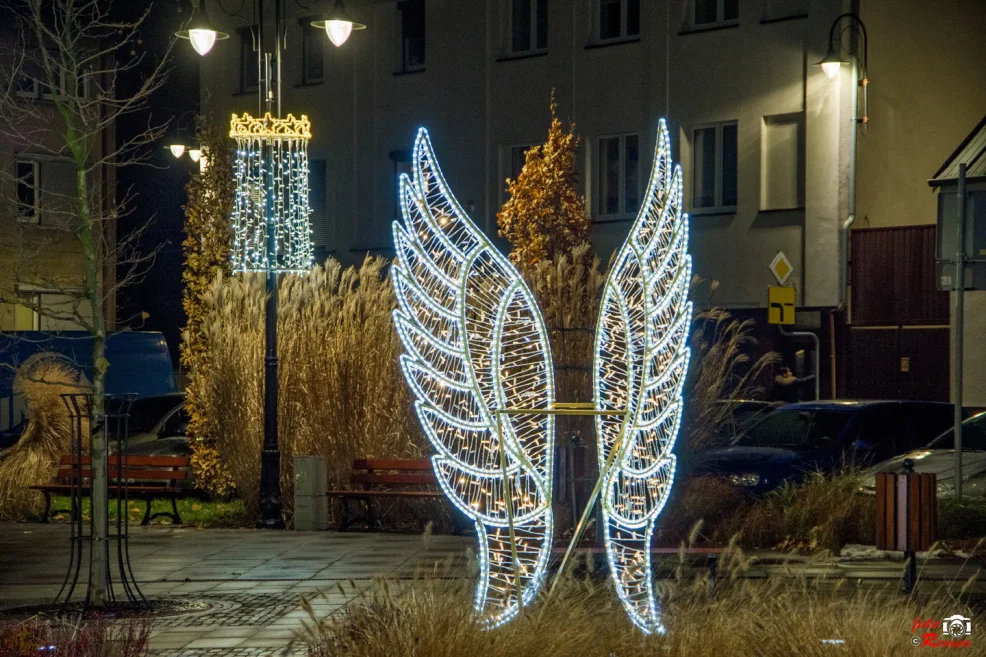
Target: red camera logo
x=952, y=632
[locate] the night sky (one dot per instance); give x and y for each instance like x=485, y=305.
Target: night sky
x=160, y=188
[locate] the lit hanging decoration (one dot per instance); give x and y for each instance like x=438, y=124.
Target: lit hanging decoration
x=641, y=358
x=475, y=343
x=271, y=183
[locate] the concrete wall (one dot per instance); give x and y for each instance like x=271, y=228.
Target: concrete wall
x=477, y=102
x=928, y=91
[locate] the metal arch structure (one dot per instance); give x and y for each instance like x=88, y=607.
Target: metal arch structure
x=476, y=344
x=640, y=362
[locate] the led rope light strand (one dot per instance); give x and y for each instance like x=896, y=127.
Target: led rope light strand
x=476, y=343
x=641, y=358
x=284, y=144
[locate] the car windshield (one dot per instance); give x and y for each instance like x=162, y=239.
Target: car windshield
x=797, y=429
x=973, y=436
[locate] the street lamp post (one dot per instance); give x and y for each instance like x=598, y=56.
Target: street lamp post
x=202, y=35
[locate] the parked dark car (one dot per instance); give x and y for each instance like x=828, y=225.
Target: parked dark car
x=157, y=427
x=799, y=438
x=938, y=457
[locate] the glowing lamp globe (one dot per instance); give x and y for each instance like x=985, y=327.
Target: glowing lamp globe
x=195, y=154
x=831, y=69
x=202, y=40
x=177, y=150
x=338, y=25
x=200, y=32
x=338, y=31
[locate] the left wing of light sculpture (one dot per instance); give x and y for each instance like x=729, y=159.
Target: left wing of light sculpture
x=641, y=357
x=475, y=342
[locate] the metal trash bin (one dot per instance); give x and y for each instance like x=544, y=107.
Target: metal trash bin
x=311, y=507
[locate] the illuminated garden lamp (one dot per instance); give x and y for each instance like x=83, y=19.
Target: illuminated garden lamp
x=200, y=32
x=831, y=63
x=195, y=154
x=338, y=24
x=177, y=150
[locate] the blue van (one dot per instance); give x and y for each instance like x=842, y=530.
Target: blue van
x=139, y=363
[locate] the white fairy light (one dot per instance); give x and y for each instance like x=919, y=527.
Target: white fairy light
x=475, y=343
x=283, y=145
x=641, y=358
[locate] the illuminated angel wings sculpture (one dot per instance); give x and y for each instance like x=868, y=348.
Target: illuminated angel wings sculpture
x=641, y=358
x=475, y=343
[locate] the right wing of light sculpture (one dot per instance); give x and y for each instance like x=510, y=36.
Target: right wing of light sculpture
x=475, y=342
x=641, y=357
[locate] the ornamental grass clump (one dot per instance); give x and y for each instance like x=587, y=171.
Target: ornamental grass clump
x=33, y=460
x=781, y=615
x=341, y=392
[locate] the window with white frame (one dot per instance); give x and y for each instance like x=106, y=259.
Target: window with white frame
x=411, y=30
x=618, y=175
x=30, y=83
x=518, y=157
x=782, y=162
x=56, y=310
x=401, y=161
x=312, y=53
x=28, y=174
x=714, y=151
x=706, y=13
x=617, y=19
x=528, y=26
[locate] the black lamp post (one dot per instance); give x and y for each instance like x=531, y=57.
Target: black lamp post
x=832, y=62
x=202, y=35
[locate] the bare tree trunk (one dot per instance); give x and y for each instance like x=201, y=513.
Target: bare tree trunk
x=92, y=253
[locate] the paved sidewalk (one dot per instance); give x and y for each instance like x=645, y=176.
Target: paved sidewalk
x=252, y=580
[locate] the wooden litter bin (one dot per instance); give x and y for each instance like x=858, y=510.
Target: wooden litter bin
x=906, y=514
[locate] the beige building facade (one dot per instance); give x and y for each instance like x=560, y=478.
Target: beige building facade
x=762, y=134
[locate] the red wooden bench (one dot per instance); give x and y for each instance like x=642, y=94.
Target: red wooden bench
x=147, y=478
x=374, y=479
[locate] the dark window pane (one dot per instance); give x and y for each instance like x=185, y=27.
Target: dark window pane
x=313, y=54
x=730, y=10
x=520, y=23
x=412, y=33
x=704, y=168
x=729, y=165
x=249, y=67
x=705, y=11
x=26, y=188
x=973, y=436
x=609, y=19
x=518, y=157
x=796, y=429
x=319, y=218
x=542, y=24
x=632, y=193
x=633, y=17
x=609, y=175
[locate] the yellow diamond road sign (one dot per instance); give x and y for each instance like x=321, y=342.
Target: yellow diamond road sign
x=781, y=268
x=780, y=305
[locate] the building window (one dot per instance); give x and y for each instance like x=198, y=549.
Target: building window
x=518, y=157
x=528, y=26
x=319, y=217
x=715, y=12
x=618, y=175
x=312, y=53
x=411, y=19
x=714, y=167
x=249, y=66
x=28, y=195
x=26, y=85
x=401, y=161
x=56, y=310
x=618, y=19
x=782, y=162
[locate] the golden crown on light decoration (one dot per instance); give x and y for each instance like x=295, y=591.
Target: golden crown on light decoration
x=269, y=127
